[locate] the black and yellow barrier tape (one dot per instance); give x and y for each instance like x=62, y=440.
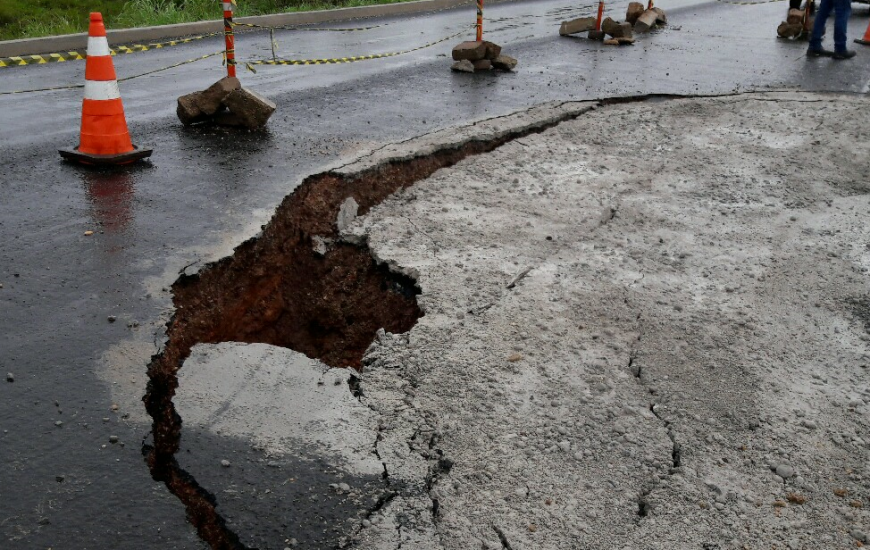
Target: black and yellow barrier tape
x=20, y=61
x=310, y=29
x=126, y=78
x=348, y=59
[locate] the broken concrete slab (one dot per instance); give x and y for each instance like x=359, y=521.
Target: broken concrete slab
x=188, y=110
x=493, y=50
x=226, y=118
x=504, y=63
x=247, y=108
x=275, y=398
x=610, y=26
x=616, y=29
x=795, y=17
x=463, y=66
x=305, y=428
x=211, y=100
x=646, y=21
x=252, y=109
x=480, y=56
x=635, y=10
x=469, y=50
x=347, y=213
x=482, y=65
x=575, y=26
x=662, y=18
x=656, y=398
x=789, y=30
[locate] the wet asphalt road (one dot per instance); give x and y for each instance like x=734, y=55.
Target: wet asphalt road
x=65, y=485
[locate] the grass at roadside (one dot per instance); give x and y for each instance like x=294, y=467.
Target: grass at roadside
x=33, y=18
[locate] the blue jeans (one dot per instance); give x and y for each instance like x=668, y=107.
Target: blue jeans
x=842, y=11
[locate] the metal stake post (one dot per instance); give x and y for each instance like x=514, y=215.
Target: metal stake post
x=479, y=20
x=600, y=15
x=230, y=38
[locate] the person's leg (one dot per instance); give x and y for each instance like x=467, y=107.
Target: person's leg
x=819, y=26
x=842, y=11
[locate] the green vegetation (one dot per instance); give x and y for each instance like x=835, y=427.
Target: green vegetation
x=26, y=18
x=32, y=18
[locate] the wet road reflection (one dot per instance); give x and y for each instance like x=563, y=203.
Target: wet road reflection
x=111, y=197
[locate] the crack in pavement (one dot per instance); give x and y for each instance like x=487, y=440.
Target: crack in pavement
x=502, y=538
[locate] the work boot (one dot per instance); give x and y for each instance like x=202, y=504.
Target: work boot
x=821, y=52
x=845, y=54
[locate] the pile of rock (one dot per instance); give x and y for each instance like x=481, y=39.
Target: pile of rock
x=226, y=102
x=637, y=20
x=793, y=26
x=474, y=56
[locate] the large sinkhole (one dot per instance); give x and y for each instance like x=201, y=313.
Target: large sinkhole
x=277, y=289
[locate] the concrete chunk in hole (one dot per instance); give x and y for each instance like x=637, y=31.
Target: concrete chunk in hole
x=346, y=214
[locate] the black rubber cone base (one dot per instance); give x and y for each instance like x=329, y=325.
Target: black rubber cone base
x=862, y=41
x=105, y=160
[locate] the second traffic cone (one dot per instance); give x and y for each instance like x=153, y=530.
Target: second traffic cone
x=104, y=135
x=866, y=40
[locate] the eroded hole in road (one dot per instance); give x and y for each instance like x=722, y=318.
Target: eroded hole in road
x=275, y=289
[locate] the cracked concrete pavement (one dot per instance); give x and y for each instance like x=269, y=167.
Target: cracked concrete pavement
x=645, y=327
x=686, y=329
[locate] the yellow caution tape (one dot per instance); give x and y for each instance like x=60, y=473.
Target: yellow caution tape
x=348, y=59
x=20, y=61
x=74, y=86
x=189, y=61
x=311, y=29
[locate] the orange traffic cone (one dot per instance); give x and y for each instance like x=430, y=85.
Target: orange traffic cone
x=866, y=40
x=104, y=135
